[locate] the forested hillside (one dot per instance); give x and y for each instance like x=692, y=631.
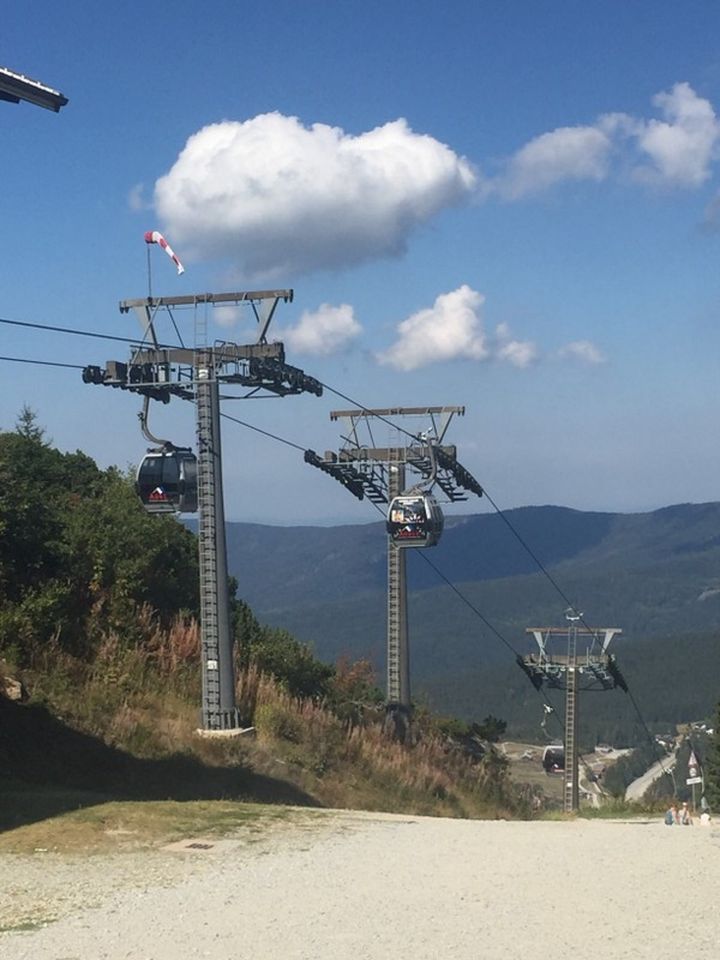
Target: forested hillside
x=77, y=556
x=100, y=672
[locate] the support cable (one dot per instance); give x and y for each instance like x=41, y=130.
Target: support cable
x=265, y=433
x=43, y=363
x=78, y=333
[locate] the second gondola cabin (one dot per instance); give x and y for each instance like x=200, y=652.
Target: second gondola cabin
x=167, y=481
x=553, y=759
x=414, y=520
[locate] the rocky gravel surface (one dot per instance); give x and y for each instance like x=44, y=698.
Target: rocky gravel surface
x=366, y=887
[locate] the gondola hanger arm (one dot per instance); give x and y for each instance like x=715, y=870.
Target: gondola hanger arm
x=150, y=437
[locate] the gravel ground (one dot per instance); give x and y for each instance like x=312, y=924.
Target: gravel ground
x=368, y=886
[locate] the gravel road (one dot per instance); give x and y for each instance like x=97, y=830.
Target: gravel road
x=372, y=887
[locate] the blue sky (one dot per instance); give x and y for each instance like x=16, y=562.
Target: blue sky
x=513, y=207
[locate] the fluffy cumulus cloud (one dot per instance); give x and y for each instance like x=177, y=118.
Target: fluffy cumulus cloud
x=569, y=153
x=322, y=332
x=676, y=150
x=280, y=199
x=584, y=351
x=682, y=146
x=450, y=329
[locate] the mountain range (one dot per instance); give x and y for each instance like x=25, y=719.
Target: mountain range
x=655, y=575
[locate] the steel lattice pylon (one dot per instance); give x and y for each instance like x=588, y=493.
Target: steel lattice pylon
x=380, y=474
x=160, y=371
x=595, y=668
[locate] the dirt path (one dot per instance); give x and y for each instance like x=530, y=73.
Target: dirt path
x=372, y=887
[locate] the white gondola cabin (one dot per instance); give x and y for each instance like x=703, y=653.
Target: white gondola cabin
x=414, y=520
x=167, y=481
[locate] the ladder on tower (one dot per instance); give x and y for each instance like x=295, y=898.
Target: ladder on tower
x=207, y=548
x=571, y=794
x=397, y=653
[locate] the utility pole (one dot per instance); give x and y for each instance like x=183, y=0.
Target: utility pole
x=593, y=669
x=380, y=474
x=160, y=372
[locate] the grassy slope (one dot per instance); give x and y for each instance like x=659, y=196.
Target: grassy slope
x=122, y=731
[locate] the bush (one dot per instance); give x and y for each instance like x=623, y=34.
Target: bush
x=275, y=721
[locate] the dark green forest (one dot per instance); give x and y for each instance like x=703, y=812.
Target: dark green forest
x=79, y=557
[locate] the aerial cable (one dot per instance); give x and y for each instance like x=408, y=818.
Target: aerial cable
x=77, y=333
x=377, y=416
x=43, y=363
x=529, y=550
x=265, y=433
x=653, y=742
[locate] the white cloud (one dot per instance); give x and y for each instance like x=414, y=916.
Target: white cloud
x=323, y=331
x=568, y=153
x=452, y=328
x=677, y=150
x=519, y=353
x=279, y=198
x=682, y=146
x=583, y=350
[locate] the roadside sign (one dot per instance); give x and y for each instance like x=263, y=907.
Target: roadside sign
x=691, y=780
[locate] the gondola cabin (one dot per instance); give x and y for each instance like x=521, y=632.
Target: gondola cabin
x=414, y=520
x=167, y=481
x=553, y=759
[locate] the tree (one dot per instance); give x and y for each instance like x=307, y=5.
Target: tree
x=491, y=729
x=712, y=767
x=78, y=554
x=26, y=426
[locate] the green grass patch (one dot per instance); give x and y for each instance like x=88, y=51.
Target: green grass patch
x=102, y=827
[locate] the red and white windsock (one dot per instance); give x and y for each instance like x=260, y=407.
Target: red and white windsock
x=152, y=236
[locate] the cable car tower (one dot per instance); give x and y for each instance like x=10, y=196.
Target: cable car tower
x=414, y=519
x=158, y=371
x=573, y=671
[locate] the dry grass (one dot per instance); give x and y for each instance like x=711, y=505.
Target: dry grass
x=127, y=826
x=360, y=765
x=142, y=698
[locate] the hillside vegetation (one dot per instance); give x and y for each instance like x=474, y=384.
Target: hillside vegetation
x=99, y=622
